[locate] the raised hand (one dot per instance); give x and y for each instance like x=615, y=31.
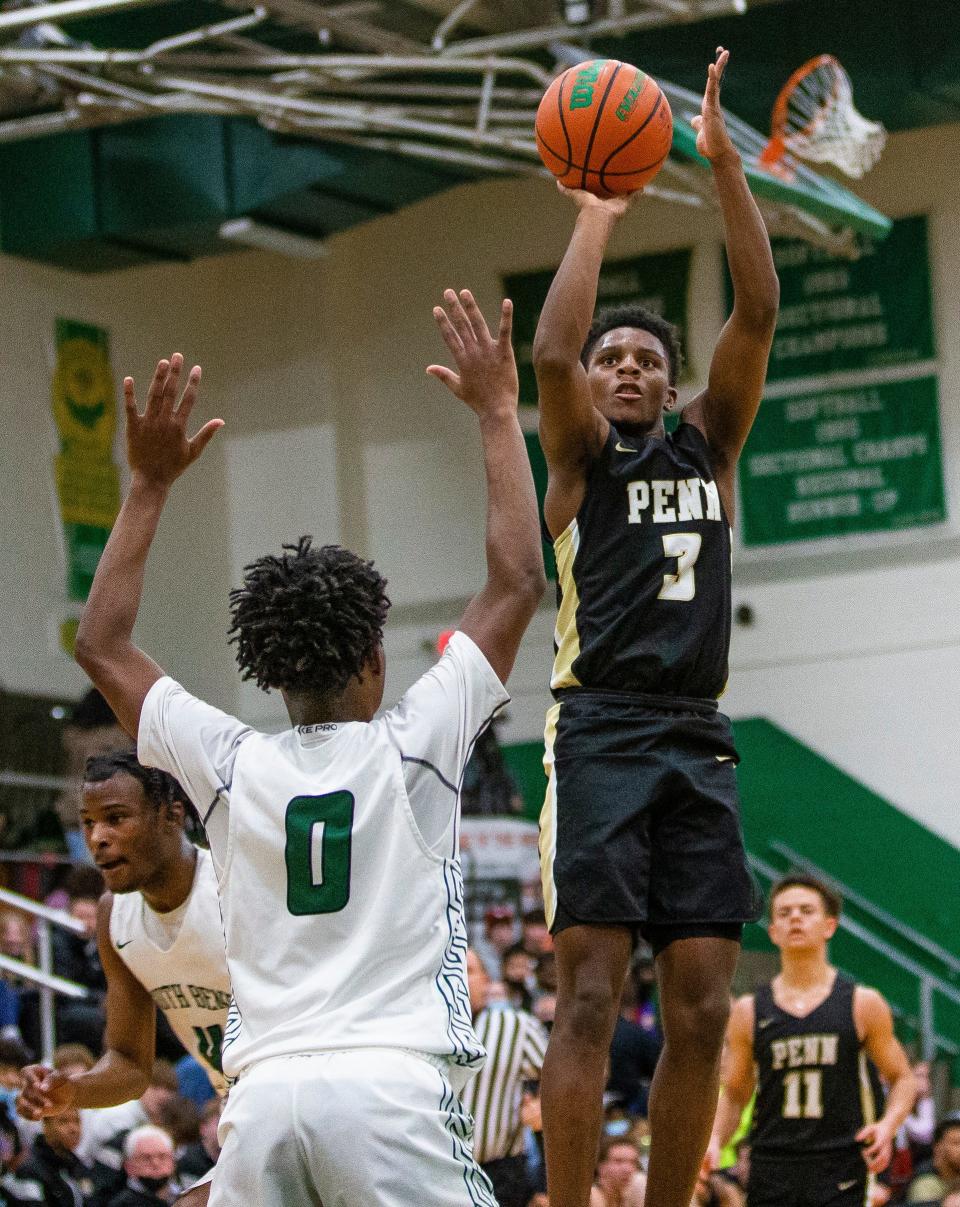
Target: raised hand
x=713, y=139
x=45, y=1092
x=486, y=377
x=158, y=448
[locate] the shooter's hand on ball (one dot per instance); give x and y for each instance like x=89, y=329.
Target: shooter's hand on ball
x=616, y=207
x=486, y=379
x=158, y=448
x=713, y=139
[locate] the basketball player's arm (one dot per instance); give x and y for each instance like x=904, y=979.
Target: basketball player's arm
x=158, y=451
x=737, y=1079
x=875, y=1026
x=725, y=411
x=123, y=1071
x=572, y=430
x=486, y=381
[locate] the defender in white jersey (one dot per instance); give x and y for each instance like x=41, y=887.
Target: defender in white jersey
x=335, y=842
x=160, y=937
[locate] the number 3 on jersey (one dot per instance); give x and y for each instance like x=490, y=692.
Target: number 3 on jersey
x=685, y=547
x=319, y=840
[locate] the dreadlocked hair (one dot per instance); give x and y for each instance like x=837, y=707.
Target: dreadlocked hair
x=159, y=788
x=309, y=620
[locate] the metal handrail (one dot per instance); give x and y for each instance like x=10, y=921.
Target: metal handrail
x=44, y=976
x=928, y=982
x=918, y=939
x=58, y=917
x=47, y=980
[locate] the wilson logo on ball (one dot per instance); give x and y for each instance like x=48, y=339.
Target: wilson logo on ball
x=581, y=95
x=604, y=126
x=629, y=102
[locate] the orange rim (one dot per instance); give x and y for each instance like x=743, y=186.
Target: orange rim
x=776, y=146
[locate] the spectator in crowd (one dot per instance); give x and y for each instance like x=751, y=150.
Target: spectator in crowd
x=73, y=1058
x=918, y=1127
x=75, y=957
x=517, y=973
x=535, y=936
x=951, y=1196
x=149, y=1167
x=545, y=1008
x=488, y=789
x=618, y=1181
x=16, y=936
x=201, y=1156
x=634, y=1052
x=105, y=1129
x=13, y=1056
x=22, y=999
x=52, y=1173
x=515, y=1044
x=931, y=1180
x=93, y=729
x=499, y=934
x=546, y=973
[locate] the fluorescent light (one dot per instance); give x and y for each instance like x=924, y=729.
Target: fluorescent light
x=273, y=238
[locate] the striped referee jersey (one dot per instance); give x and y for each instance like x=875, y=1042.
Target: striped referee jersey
x=516, y=1043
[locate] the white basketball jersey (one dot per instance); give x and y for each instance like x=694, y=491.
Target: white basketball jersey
x=189, y=981
x=336, y=849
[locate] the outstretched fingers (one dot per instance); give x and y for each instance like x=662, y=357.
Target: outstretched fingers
x=715, y=75
x=171, y=387
x=451, y=336
x=458, y=316
x=505, y=333
x=203, y=437
x=478, y=324
x=189, y=395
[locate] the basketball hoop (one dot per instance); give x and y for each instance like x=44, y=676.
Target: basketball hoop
x=814, y=118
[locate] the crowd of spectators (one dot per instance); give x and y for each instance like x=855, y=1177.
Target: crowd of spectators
x=140, y=1154
x=144, y=1153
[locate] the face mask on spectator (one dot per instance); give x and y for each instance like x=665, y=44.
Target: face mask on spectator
x=154, y=1185
x=617, y=1127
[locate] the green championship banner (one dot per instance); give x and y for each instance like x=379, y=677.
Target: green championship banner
x=848, y=460
x=87, y=481
x=838, y=315
x=658, y=282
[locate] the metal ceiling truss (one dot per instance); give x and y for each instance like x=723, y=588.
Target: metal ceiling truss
x=421, y=91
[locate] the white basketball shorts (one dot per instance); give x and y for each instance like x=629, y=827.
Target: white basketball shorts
x=368, y=1127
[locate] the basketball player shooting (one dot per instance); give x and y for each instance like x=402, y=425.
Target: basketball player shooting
x=640, y=829
x=802, y=1042
x=335, y=842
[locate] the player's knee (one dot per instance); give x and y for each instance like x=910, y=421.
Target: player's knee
x=699, y=1018
x=589, y=1012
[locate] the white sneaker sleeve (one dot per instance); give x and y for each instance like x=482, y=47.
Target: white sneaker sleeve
x=435, y=728
x=196, y=743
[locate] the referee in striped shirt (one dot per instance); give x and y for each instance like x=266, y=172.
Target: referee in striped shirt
x=516, y=1043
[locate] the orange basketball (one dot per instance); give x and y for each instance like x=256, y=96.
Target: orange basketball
x=604, y=126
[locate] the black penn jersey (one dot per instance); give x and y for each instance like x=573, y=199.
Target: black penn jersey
x=643, y=572
x=814, y=1091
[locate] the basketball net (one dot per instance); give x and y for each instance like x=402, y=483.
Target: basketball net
x=814, y=118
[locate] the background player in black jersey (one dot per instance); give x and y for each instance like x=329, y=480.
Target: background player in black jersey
x=803, y=1042
x=640, y=829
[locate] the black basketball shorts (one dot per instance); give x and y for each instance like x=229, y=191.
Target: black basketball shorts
x=641, y=822
x=817, y=1180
